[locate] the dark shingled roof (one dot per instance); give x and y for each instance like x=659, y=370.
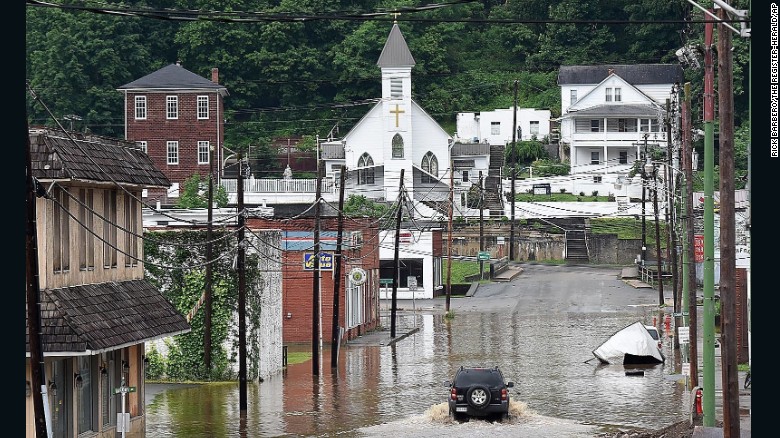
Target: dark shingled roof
x=395, y=53
x=636, y=74
x=173, y=77
x=617, y=110
x=105, y=316
x=56, y=156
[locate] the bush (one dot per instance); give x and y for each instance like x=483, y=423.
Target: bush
x=582, y=194
x=562, y=190
x=595, y=193
x=155, y=369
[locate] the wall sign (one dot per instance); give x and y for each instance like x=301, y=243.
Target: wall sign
x=358, y=276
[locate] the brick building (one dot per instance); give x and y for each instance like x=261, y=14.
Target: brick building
x=176, y=117
x=358, y=295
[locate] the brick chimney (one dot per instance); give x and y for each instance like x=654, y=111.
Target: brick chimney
x=215, y=75
x=610, y=71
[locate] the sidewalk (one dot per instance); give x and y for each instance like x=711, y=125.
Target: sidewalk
x=744, y=399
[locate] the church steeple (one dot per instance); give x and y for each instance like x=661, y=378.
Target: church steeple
x=395, y=53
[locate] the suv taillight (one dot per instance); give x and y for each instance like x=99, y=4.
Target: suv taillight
x=453, y=394
x=504, y=394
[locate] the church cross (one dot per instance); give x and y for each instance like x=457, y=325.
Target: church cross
x=397, y=112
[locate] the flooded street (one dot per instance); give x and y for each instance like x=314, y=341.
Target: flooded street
x=540, y=329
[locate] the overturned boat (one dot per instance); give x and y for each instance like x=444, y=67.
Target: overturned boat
x=633, y=345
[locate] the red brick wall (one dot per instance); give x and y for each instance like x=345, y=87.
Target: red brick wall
x=157, y=130
x=298, y=283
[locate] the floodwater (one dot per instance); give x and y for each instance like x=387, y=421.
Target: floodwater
x=560, y=388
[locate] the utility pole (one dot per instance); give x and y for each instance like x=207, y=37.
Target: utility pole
x=37, y=364
x=396, y=258
x=449, y=239
x=657, y=238
x=315, y=309
x=241, y=289
x=644, y=226
x=671, y=242
x=334, y=345
x=728, y=239
x=689, y=265
x=514, y=165
x=209, y=269
x=708, y=324
x=481, y=226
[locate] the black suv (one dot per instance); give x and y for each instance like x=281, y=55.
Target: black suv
x=479, y=392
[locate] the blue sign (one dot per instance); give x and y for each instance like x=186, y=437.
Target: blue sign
x=326, y=261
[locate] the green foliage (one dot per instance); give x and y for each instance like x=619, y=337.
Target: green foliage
x=195, y=193
x=183, y=288
x=360, y=206
x=547, y=167
x=627, y=228
x=307, y=77
x=155, y=369
x=526, y=152
x=462, y=269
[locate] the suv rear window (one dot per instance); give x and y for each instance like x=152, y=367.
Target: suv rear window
x=470, y=377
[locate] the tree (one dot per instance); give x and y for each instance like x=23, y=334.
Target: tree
x=195, y=194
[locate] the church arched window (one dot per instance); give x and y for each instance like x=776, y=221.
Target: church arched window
x=398, y=146
x=431, y=165
x=365, y=169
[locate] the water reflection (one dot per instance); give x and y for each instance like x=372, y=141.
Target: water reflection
x=542, y=341
x=384, y=389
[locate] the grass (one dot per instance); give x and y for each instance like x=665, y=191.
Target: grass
x=560, y=197
x=628, y=228
x=298, y=357
x=462, y=269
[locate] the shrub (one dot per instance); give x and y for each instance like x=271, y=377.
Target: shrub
x=562, y=190
x=595, y=193
x=582, y=194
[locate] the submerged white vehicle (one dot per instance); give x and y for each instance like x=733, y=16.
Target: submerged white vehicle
x=632, y=345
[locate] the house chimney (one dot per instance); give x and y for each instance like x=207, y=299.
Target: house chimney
x=178, y=62
x=610, y=71
x=215, y=75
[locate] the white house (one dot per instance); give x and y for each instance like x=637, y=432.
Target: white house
x=609, y=114
x=495, y=127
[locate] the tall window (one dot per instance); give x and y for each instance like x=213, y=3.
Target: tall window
x=131, y=238
x=173, y=152
x=140, y=107
x=203, y=107
x=143, y=145
x=86, y=238
x=431, y=165
x=534, y=127
x=595, y=125
x=623, y=157
x=61, y=231
x=172, y=107
x=396, y=88
x=608, y=95
x=594, y=157
x=109, y=229
x=495, y=128
x=398, y=146
x=203, y=152
x=365, y=169
x=84, y=390
x=465, y=176
x=109, y=379
x=573, y=96
x=617, y=95
x=648, y=125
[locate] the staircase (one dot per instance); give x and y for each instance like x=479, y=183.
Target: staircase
x=576, y=238
x=494, y=199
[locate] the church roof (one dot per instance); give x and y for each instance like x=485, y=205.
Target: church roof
x=173, y=77
x=395, y=53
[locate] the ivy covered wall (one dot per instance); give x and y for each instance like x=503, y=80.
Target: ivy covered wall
x=175, y=261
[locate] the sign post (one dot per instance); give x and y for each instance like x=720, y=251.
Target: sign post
x=123, y=419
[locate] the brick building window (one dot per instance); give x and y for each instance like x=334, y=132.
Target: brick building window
x=172, y=107
x=203, y=152
x=203, y=107
x=140, y=107
x=142, y=145
x=173, y=152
